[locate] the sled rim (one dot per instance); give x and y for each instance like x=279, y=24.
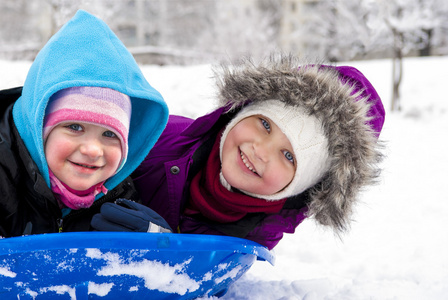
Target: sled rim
x=134, y=240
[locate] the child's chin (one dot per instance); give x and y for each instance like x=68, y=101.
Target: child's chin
x=79, y=187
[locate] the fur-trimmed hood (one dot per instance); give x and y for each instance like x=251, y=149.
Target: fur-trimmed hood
x=349, y=108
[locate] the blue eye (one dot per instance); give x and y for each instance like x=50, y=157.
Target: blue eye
x=74, y=127
x=289, y=156
x=109, y=134
x=266, y=124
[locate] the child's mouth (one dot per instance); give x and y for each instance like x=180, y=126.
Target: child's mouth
x=86, y=166
x=247, y=164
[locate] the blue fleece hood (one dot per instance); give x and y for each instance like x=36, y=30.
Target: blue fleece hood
x=85, y=52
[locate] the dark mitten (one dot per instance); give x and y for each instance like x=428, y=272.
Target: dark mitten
x=126, y=215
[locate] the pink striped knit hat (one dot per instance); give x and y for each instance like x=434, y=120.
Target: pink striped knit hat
x=93, y=105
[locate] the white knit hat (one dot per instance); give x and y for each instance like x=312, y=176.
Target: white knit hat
x=306, y=135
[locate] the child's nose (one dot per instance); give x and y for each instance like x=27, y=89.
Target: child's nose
x=261, y=150
x=91, y=149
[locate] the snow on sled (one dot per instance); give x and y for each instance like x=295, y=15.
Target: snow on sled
x=123, y=265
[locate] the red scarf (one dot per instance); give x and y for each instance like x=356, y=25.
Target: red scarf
x=211, y=199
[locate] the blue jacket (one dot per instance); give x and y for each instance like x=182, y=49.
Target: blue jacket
x=84, y=52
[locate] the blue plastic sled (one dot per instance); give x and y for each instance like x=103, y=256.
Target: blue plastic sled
x=123, y=265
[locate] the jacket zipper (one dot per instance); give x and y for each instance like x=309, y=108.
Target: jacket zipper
x=60, y=221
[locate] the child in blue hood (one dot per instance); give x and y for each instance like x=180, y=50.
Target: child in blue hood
x=84, y=120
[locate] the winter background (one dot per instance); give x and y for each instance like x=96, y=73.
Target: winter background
x=398, y=244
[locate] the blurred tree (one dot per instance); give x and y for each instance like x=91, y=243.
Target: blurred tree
x=334, y=30
x=411, y=23
x=189, y=31
x=238, y=28
x=14, y=27
x=352, y=29
x=61, y=10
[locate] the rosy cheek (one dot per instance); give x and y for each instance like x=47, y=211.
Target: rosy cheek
x=64, y=148
x=65, y=145
x=280, y=182
x=55, y=148
x=115, y=157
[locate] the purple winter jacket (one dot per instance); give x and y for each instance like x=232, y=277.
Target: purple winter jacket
x=163, y=182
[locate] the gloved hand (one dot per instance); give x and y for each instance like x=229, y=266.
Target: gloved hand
x=126, y=215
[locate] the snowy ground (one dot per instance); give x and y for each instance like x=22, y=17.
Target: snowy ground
x=398, y=245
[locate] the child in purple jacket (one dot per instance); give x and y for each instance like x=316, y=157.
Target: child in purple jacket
x=288, y=141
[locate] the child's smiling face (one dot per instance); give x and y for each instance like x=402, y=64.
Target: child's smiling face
x=257, y=157
x=82, y=155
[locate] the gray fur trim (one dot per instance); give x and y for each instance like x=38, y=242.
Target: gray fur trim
x=353, y=146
